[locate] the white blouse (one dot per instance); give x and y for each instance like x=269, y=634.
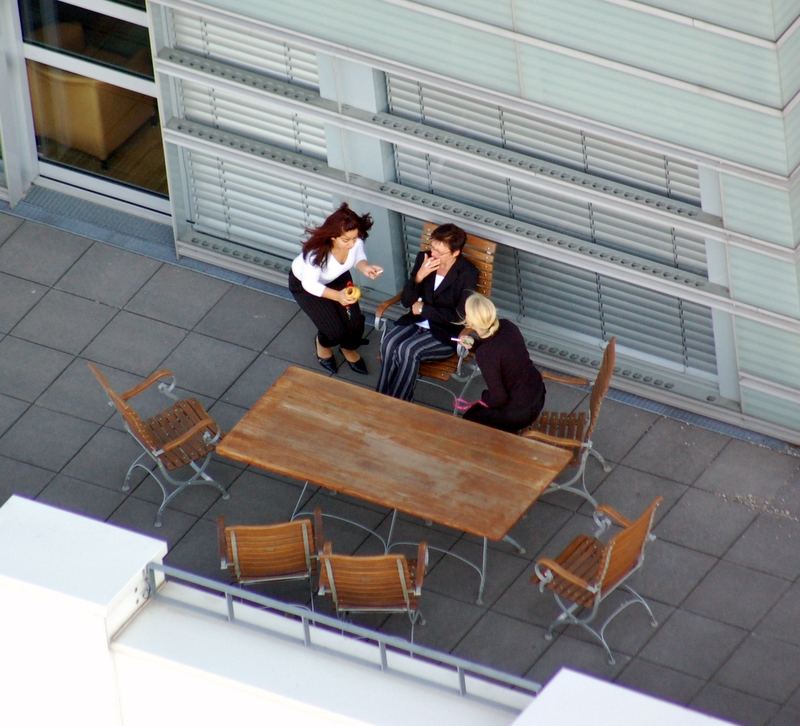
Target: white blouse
x=313, y=277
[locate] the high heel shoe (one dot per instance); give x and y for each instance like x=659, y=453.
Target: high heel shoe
x=358, y=367
x=329, y=364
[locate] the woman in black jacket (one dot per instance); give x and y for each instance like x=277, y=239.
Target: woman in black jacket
x=435, y=292
x=515, y=391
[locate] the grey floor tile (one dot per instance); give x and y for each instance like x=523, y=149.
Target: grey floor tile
x=507, y=644
x=225, y=415
x=295, y=343
x=64, y=321
x=134, y=343
x=735, y=595
x=256, y=499
x=675, y=450
x=17, y=477
x=196, y=552
x=46, y=438
x=566, y=398
x=77, y=392
x=247, y=317
x=783, y=621
x=631, y=491
x=139, y=516
x=660, y=681
x=787, y=716
x=8, y=225
x=17, y=296
x=447, y=622
x=81, y=497
x=670, y=572
x=255, y=381
x=619, y=428
x=735, y=706
x=455, y=578
x=177, y=296
x=108, y=275
x=744, y=470
x=523, y=601
x=568, y=652
x=26, y=369
x=207, y=365
x=538, y=526
x=769, y=544
x=10, y=410
x=370, y=355
x=347, y=537
x=764, y=667
x=40, y=253
x=693, y=644
x=703, y=521
x=105, y=459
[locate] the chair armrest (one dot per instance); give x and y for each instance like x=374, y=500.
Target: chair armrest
x=422, y=565
x=613, y=514
x=564, y=443
x=381, y=309
x=544, y=577
x=564, y=378
x=145, y=384
x=318, y=534
x=203, y=423
x=222, y=545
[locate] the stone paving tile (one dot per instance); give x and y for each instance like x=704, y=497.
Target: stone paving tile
x=8, y=225
x=207, y=365
x=108, y=275
x=787, y=716
x=735, y=706
x=133, y=343
x=40, y=253
x=660, y=681
x=226, y=416
x=770, y=544
x=783, y=620
x=735, y=595
x=26, y=369
x=703, y=521
x=675, y=450
x=764, y=667
x=177, y=296
x=248, y=318
x=139, y=516
x=64, y=321
x=256, y=499
x=10, y=410
x=17, y=296
x=105, y=459
x=255, y=381
x=17, y=477
x=77, y=392
x=568, y=652
x=196, y=552
x=619, y=428
x=745, y=470
x=296, y=343
x=46, y=438
x=693, y=644
x=537, y=527
x=498, y=641
x=77, y=496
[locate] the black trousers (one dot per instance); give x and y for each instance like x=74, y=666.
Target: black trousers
x=336, y=324
x=507, y=418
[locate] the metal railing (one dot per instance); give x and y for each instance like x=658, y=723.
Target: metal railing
x=314, y=625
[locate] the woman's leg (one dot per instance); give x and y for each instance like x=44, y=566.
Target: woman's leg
x=408, y=353
x=389, y=344
x=327, y=315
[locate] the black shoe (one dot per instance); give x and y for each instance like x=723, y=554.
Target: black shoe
x=359, y=366
x=329, y=364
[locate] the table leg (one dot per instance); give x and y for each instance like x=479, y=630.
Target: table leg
x=297, y=506
x=391, y=531
x=520, y=549
x=479, y=601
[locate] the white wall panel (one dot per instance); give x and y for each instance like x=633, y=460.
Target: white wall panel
x=789, y=66
x=777, y=409
x=750, y=16
x=793, y=136
x=764, y=281
x=784, y=13
x=768, y=353
x=757, y=209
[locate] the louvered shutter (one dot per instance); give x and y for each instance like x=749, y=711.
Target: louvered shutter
x=546, y=295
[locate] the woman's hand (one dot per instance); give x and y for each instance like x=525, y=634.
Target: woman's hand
x=416, y=307
x=370, y=271
x=429, y=265
x=466, y=341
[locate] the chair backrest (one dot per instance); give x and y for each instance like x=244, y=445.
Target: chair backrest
x=268, y=551
x=132, y=419
x=601, y=385
x=356, y=582
x=624, y=553
x=479, y=251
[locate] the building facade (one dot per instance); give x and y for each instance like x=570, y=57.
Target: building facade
x=638, y=162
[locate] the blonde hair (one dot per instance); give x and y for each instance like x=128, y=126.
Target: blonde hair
x=481, y=315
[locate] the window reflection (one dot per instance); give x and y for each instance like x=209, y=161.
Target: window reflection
x=92, y=36
x=97, y=127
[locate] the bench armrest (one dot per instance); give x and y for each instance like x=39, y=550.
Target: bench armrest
x=564, y=378
x=147, y=382
x=381, y=309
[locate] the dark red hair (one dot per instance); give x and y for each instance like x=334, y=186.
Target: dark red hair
x=320, y=239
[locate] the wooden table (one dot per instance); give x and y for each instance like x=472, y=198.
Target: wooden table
x=396, y=454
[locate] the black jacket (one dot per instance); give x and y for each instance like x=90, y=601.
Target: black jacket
x=442, y=308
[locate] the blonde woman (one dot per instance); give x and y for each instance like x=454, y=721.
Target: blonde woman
x=515, y=391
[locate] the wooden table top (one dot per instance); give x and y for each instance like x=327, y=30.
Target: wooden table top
x=394, y=453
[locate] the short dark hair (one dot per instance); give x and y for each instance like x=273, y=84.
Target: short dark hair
x=453, y=236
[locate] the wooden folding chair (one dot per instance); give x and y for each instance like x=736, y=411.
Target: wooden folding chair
x=573, y=430
x=381, y=583
x=460, y=366
x=588, y=571
x=177, y=437
x=271, y=552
